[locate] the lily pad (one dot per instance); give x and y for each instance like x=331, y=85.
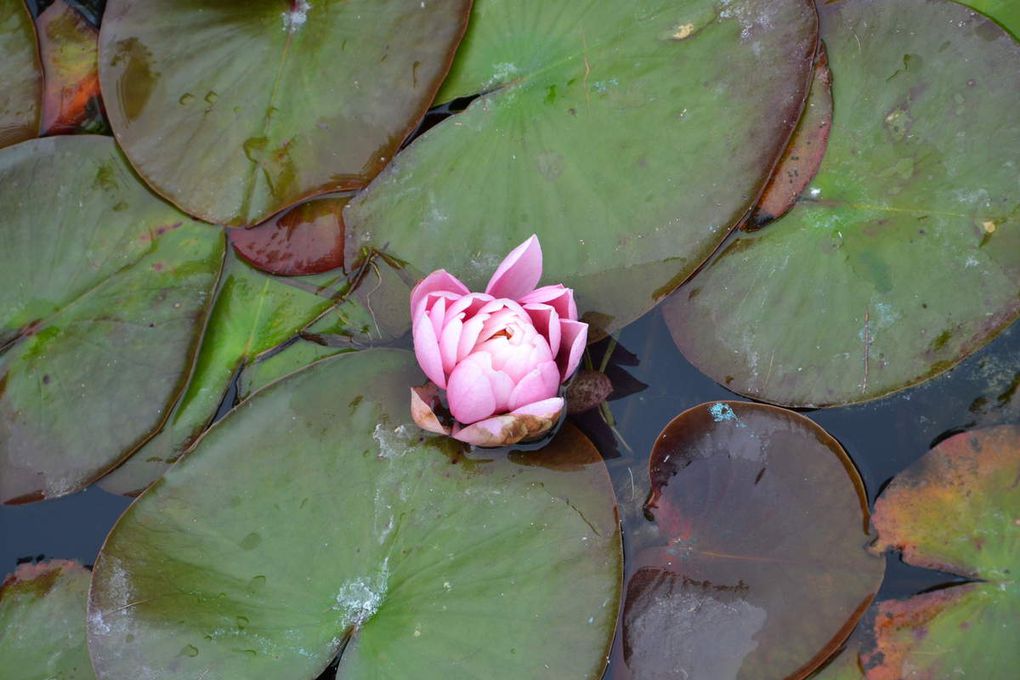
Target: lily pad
x=804, y=155
x=956, y=510
x=613, y=130
x=104, y=292
x=253, y=314
x=324, y=95
x=763, y=571
x=42, y=622
x=276, y=365
x=307, y=239
x=20, y=73
x=70, y=53
x=315, y=519
x=1006, y=12
x=904, y=255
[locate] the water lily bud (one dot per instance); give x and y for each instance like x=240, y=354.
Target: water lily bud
x=501, y=355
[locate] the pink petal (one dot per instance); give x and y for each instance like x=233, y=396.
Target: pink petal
x=547, y=322
x=438, y=315
x=439, y=280
x=549, y=409
x=529, y=422
x=448, y=341
x=426, y=349
x=502, y=388
x=540, y=384
x=559, y=297
x=500, y=304
x=467, y=305
x=469, y=391
x=422, y=400
x=575, y=337
x=469, y=335
x=428, y=303
x=519, y=272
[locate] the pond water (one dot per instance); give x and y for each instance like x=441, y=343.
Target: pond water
x=882, y=437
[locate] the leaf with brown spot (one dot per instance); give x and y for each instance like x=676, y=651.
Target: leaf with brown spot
x=307, y=239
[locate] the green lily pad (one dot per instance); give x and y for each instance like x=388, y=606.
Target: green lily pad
x=104, y=292
x=904, y=255
x=956, y=510
x=253, y=314
x=307, y=239
x=322, y=98
x=42, y=623
x=276, y=365
x=1006, y=12
x=316, y=519
x=20, y=73
x=762, y=572
x=630, y=136
x=69, y=46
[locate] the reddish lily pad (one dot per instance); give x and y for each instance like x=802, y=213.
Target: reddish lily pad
x=804, y=155
x=104, y=294
x=613, y=130
x=70, y=56
x=317, y=519
x=904, y=255
x=307, y=239
x=957, y=510
x=42, y=623
x=320, y=101
x=20, y=73
x=764, y=570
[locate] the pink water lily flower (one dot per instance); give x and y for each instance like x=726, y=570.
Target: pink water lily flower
x=500, y=355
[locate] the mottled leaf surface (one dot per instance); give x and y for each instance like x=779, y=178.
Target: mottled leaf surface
x=104, y=292
x=324, y=94
x=20, y=73
x=630, y=136
x=957, y=510
x=316, y=517
x=42, y=623
x=762, y=572
x=904, y=255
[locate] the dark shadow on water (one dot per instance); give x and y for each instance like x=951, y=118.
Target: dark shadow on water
x=70, y=528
